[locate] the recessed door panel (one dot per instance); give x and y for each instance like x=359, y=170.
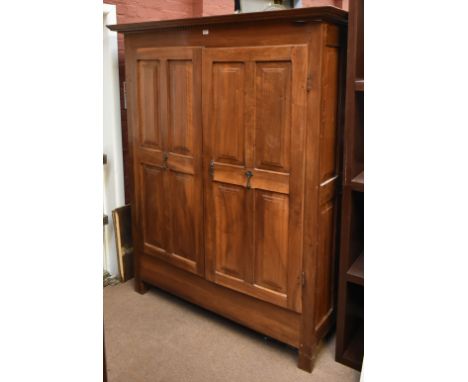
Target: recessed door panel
x=181, y=102
x=153, y=208
x=183, y=198
x=271, y=240
x=230, y=236
x=273, y=115
x=227, y=111
x=324, y=296
x=328, y=135
x=149, y=103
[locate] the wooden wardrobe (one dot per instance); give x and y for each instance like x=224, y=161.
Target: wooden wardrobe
x=234, y=125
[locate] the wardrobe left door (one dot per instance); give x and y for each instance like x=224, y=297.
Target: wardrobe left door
x=167, y=150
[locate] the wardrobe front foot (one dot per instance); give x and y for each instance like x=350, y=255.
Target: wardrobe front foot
x=141, y=287
x=305, y=361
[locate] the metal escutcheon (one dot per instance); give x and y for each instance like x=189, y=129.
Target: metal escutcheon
x=249, y=175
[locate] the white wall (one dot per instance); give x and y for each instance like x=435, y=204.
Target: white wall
x=113, y=171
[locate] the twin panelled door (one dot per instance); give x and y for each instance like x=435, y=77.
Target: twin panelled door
x=167, y=152
x=223, y=197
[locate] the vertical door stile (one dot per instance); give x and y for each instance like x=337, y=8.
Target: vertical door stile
x=250, y=164
x=164, y=115
x=197, y=99
x=207, y=158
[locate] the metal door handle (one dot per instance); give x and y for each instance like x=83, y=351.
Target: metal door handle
x=248, y=174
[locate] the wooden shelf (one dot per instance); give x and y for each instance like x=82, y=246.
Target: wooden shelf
x=355, y=310
x=354, y=352
x=355, y=273
x=357, y=184
x=359, y=85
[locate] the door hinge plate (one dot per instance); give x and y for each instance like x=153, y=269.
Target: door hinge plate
x=303, y=278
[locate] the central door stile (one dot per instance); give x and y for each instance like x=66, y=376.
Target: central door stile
x=208, y=167
x=250, y=164
x=164, y=134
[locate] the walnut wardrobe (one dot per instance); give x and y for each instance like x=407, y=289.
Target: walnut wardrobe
x=234, y=125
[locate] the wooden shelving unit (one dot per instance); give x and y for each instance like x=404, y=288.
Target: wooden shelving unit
x=357, y=183
x=355, y=349
x=350, y=314
x=355, y=273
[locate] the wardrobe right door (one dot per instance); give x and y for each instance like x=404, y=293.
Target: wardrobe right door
x=254, y=108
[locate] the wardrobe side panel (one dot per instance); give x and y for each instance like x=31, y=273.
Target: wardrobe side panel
x=328, y=178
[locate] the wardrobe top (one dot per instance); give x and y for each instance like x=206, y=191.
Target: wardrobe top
x=300, y=15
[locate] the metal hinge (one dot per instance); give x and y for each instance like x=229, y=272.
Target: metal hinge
x=303, y=278
x=309, y=83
